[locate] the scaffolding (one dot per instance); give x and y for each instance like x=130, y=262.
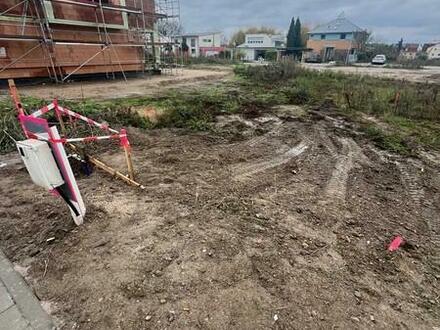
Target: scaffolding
x=171, y=58
x=157, y=50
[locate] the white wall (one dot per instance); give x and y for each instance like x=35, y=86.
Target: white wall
x=211, y=40
x=249, y=54
x=434, y=52
x=262, y=40
x=196, y=41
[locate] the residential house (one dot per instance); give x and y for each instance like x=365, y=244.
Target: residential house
x=410, y=51
x=433, y=52
x=202, y=44
x=427, y=45
x=338, y=39
x=259, y=45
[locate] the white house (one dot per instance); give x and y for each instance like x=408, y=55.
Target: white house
x=257, y=46
x=433, y=52
x=202, y=44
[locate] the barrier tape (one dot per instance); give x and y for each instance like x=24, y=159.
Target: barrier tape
x=124, y=139
x=122, y=135
x=54, y=106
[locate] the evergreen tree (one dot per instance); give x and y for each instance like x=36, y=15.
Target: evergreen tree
x=298, y=38
x=291, y=36
x=400, y=45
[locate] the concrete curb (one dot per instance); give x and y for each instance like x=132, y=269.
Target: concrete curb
x=20, y=308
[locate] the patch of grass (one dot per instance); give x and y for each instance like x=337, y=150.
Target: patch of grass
x=273, y=72
x=412, y=111
x=390, y=141
x=422, y=132
x=210, y=61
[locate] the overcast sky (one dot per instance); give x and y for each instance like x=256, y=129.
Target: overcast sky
x=389, y=20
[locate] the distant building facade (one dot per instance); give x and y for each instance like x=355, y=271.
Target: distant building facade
x=410, y=51
x=258, y=46
x=202, y=44
x=433, y=52
x=338, y=39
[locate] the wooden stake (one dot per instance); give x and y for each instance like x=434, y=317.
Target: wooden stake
x=397, y=100
x=15, y=97
x=106, y=168
x=126, y=145
x=129, y=163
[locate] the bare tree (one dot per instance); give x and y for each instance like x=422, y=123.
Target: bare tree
x=169, y=28
x=361, y=39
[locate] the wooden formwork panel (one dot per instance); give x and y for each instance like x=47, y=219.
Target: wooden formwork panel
x=72, y=12
x=69, y=58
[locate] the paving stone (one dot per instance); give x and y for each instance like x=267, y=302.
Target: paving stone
x=25, y=303
x=5, y=298
x=11, y=319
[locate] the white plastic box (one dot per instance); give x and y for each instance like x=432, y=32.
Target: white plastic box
x=40, y=163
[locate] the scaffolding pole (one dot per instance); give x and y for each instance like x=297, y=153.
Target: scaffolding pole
x=149, y=42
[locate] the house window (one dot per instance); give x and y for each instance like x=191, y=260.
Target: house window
x=343, y=36
x=193, y=51
x=322, y=36
x=193, y=42
x=207, y=40
x=3, y=53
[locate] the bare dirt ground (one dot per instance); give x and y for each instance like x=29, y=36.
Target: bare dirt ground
x=430, y=74
x=277, y=221
x=133, y=87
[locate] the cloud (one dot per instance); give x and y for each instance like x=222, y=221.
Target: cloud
x=389, y=20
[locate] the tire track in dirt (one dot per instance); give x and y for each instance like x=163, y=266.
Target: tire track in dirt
x=347, y=157
x=347, y=160
x=412, y=182
x=410, y=177
x=242, y=172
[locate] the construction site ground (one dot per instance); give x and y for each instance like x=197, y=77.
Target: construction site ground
x=133, y=87
x=277, y=220
x=429, y=74
x=201, y=75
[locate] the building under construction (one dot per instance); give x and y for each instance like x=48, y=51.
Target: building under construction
x=61, y=38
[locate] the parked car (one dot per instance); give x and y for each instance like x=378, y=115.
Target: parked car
x=379, y=60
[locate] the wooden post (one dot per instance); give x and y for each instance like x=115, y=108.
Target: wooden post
x=60, y=117
x=129, y=163
x=396, y=100
x=126, y=145
x=17, y=102
x=106, y=168
x=15, y=97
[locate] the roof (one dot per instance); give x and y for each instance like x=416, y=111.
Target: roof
x=264, y=35
x=426, y=46
x=432, y=46
x=338, y=25
x=199, y=34
x=411, y=47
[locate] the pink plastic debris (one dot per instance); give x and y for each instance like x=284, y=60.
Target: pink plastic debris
x=396, y=244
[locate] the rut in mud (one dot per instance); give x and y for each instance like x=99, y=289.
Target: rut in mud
x=284, y=215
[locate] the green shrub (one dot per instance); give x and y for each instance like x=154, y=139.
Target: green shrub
x=271, y=73
x=296, y=95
